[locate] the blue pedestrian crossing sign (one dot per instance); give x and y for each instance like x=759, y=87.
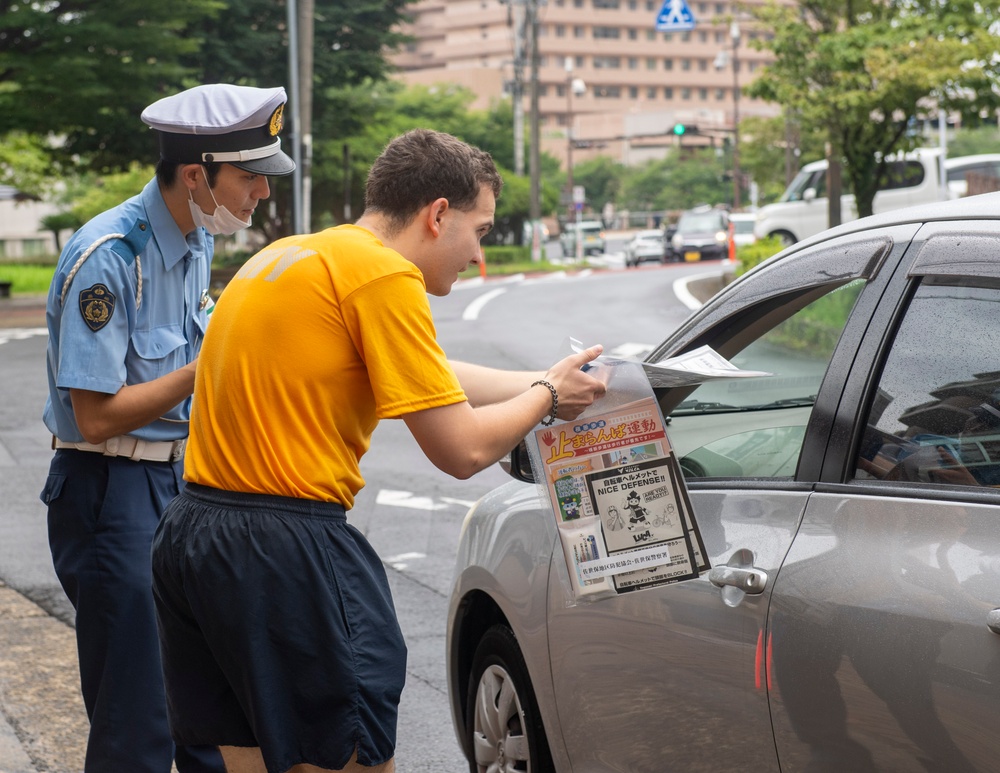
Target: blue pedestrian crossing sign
x=675, y=16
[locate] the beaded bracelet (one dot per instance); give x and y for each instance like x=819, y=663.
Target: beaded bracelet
x=555, y=401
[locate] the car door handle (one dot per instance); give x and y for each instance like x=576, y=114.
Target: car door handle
x=993, y=620
x=750, y=580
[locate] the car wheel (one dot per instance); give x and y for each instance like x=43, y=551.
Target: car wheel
x=504, y=725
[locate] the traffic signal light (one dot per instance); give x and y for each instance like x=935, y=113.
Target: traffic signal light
x=679, y=129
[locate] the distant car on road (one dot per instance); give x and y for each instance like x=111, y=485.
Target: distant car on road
x=702, y=234
x=743, y=223
x=593, y=237
x=644, y=247
x=543, y=234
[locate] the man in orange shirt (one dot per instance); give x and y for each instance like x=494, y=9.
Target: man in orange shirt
x=280, y=642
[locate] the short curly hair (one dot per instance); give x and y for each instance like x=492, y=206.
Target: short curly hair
x=422, y=165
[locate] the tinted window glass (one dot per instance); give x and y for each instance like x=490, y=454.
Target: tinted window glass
x=904, y=174
x=753, y=428
x=935, y=417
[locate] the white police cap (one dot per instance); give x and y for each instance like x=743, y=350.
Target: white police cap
x=220, y=123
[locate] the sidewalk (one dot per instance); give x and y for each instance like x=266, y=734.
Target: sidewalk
x=22, y=311
x=43, y=724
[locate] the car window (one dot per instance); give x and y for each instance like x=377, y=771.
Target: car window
x=753, y=428
x=903, y=174
x=935, y=417
x=701, y=221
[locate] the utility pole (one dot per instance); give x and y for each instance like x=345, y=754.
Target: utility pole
x=306, y=23
x=534, y=165
x=296, y=134
x=516, y=19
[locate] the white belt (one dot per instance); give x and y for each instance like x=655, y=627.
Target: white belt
x=134, y=448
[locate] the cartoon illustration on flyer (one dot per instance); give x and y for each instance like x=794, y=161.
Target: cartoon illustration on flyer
x=639, y=498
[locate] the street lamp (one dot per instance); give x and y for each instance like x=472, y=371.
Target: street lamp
x=734, y=34
x=721, y=60
x=578, y=87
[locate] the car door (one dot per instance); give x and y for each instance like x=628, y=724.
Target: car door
x=673, y=678
x=884, y=621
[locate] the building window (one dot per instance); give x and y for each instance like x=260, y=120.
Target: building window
x=632, y=5
x=686, y=94
x=703, y=37
x=720, y=94
x=685, y=64
x=578, y=32
x=703, y=8
x=668, y=92
x=650, y=63
x=633, y=92
x=578, y=3
x=685, y=37
x=668, y=64
x=668, y=37
x=651, y=92
x=560, y=91
x=607, y=92
x=32, y=248
x=605, y=3
x=633, y=33
x=543, y=90
x=650, y=34
x=703, y=64
x=633, y=63
x=607, y=32
x=652, y=5
x=703, y=94
x=579, y=62
x=560, y=30
x=607, y=62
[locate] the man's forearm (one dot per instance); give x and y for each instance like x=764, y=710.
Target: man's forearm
x=488, y=386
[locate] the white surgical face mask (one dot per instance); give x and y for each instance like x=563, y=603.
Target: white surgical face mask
x=221, y=222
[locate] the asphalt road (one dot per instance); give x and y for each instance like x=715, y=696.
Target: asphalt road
x=411, y=513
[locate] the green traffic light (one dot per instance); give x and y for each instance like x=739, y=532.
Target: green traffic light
x=679, y=129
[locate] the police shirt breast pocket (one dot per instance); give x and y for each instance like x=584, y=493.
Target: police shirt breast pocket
x=160, y=350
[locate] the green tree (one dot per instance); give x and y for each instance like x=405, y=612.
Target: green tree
x=864, y=70
x=85, y=69
x=971, y=142
x=601, y=178
x=763, y=143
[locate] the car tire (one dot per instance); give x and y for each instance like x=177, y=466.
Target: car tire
x=496, y=727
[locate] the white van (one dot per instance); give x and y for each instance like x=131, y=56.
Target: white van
x=802, y=209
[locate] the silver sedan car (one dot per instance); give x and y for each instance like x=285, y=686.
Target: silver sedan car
x=856, y=487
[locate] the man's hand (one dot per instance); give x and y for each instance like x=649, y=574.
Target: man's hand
x=576, y=389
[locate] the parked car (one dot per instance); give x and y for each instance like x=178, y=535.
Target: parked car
x=644, y=247
x=526, y=235
x=743, y=224
x=802, y=210
x=959, y=170
x=702, y=234
x=592, y=232
x=857, y=487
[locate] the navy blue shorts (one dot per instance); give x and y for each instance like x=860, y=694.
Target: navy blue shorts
x=277, y=629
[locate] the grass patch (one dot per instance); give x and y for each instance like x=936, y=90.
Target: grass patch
x=27, y=279
x=520, y=267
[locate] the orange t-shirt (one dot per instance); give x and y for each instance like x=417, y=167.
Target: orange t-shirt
x=315, y=339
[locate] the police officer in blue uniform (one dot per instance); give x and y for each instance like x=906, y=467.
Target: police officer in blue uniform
x=126, y=314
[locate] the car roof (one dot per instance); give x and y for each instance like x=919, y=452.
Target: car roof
x=742, y=216
x=960, y=161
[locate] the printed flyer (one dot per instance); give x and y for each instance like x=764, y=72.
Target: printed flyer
x=621, y=506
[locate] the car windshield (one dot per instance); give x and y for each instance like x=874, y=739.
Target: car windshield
x=743, y=226
x=700, y=221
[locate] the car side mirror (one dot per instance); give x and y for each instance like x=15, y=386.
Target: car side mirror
x=809, y=194
x=517, y=463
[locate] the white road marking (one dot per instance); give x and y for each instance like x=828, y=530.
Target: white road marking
x=472, y=310
x=21, y=333
x=393, y=498
x=398, y=562
x=684, y=295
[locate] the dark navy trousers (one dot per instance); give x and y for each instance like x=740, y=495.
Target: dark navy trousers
x=102, y=512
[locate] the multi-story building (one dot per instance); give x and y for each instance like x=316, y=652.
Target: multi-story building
x=607, y=79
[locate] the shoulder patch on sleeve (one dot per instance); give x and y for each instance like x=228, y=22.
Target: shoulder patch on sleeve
x=97, y=305
x=133, y=242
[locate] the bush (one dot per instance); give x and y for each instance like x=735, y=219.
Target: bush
x=749, y=255
x=502, y=255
